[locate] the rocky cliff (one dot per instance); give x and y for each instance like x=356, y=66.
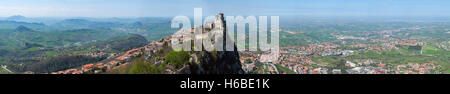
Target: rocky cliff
x=212, y=62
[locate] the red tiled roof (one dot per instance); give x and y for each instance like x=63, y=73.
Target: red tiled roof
x=113, y=62
x=87, y=66
x=99, y=64
x=121, y=58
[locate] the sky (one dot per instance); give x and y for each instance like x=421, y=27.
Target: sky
x=170, y=8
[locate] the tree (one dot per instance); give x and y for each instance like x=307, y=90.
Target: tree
x=177, y=58
x=146, y=68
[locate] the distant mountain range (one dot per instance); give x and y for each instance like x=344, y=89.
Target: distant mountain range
x=29, y=40
x=16, y=17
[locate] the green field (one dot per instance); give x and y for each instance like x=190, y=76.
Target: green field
x=329, y=61
x=284, y=69
x=404, y=56
x=431, y=50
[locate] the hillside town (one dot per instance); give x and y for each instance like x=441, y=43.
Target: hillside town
x=358, y=53
x=300, y=59
x=117, y=60
x=291, y=60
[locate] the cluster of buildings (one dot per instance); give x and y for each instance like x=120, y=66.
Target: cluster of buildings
x=359, y=45
x=69, y=71
x=380, y=68
x=248, y=61
x=299, y=58
x=119, y=59
x=389, y=44
x=102, y=67
x=295, y=58
x=320, y=49
x=319, y=71
x=366, y=67
x=384, y=46
x=301, y=63
x=416, y=68
x=295, y=63
x=365, y=70
x=407, y=42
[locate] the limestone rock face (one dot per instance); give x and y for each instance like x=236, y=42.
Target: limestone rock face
x=217, y=62
x=213, y=62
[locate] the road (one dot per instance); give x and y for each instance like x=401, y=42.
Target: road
x=4, y=67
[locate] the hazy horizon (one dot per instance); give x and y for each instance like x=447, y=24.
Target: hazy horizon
x=166, y=8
